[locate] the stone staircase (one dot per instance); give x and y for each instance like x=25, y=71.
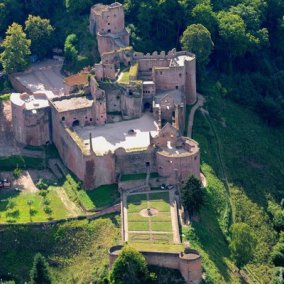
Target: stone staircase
x=57, y=168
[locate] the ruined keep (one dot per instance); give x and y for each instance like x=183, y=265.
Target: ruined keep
x=125, y=115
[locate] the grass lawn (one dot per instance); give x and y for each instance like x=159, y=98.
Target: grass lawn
x=162, y=206
x=157, y=239
x=157, y=247
x=124, y=78
x=14, y=207
x=161, y=226
x=10, y=163
x=5, y=97
x=158, y=223
x=105, y=195
x=138, y=176
x=138, y=225
x=102, y=196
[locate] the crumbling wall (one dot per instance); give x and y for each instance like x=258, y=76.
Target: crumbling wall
x=131, y=106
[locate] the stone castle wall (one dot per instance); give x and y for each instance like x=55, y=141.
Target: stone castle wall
x=31, y=127
x=135, y=162
x=189, y=264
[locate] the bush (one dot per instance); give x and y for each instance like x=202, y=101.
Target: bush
x=47, y=210
x=41, y=184
x=17, y=172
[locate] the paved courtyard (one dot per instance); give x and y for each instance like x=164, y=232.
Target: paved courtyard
x=44, y=76
x=114, y=135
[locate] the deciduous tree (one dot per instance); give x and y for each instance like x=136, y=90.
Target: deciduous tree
x=15, y=56
x=242, y=243
x=39, y=31
x=130, y=268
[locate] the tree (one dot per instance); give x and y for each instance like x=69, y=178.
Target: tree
x=232, y=31
x=277, y=254
x=242, y=243
x=203, y=14
x=10, y=11
x=197, y=39
x=129, y=268
x=15, y=56
x=192, y=195
x=39, y=273
x=70, y=51
x=39, y=31
x=78, y=6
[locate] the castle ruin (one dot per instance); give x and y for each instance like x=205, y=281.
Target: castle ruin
x=124, y=116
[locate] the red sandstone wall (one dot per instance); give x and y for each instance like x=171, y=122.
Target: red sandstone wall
x=190, y=81
x=169, y=78
x=147, y=64
x=100, y=111
x=113, y=20
x=186, y=166
x=85, y=116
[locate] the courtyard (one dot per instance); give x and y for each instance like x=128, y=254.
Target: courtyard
x=130, y=135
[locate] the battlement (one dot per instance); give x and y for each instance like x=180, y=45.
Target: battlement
x=162, y=55
x=100, y=9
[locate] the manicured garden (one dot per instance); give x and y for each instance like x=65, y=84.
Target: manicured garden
x=156, y=228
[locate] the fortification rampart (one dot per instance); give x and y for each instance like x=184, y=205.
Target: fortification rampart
x=188, y=263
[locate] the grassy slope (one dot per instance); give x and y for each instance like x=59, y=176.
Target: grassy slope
x=236, y=145
x=19, y=212
x=77, y=251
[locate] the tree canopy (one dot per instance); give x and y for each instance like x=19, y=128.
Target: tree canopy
x=192, y=195
x=197, y=39
x=130, y=267
x=15, y=56
x=242, y=243
x=39, y=273
x=40, y=32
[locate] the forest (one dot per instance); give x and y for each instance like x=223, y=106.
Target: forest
x=246, y=55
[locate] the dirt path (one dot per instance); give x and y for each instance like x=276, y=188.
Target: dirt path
x=72, y=208
x=199, y=103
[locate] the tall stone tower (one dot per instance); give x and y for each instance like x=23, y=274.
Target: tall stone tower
x=107, y=23
x=190, y=80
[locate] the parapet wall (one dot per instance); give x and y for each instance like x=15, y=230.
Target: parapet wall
x=162, y=55
x=188, y=263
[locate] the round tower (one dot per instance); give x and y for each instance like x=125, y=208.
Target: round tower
x=190, y=80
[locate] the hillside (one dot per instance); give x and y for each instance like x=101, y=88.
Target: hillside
x=243, y=162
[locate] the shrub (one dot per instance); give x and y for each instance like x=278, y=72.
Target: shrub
x=41, y=184
x=17, y=172
x=47, y=210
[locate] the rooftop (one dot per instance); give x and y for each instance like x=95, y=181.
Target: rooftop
x=77, y=79
x=175, y=94
x=179, y=60
x=30, y=102
x=115, y=135
x=44, y=77
x=72, y=103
